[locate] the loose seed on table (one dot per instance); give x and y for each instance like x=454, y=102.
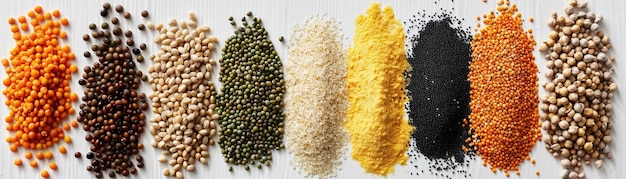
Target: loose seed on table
x=144, y=13
x=17, y=162
x=119, y=8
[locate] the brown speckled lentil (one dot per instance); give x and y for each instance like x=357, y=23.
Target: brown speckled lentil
x=106, y=6
x=111, y=111
x=119, y=8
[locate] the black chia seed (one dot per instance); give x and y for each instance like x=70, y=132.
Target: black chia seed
x=439, y=54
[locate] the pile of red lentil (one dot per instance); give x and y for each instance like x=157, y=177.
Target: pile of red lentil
x=38, y=91
x=503, y=76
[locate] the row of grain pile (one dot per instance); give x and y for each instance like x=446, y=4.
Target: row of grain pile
x=332, y=95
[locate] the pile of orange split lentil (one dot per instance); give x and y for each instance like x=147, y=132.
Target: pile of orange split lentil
x=38, y=85
x=503, y=76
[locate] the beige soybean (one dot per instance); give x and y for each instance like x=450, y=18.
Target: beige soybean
x=184, y=121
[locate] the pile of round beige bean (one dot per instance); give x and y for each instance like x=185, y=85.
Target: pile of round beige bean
x=184, y=97
x=578, y=105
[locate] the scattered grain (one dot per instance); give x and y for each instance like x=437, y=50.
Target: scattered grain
x=317, y=100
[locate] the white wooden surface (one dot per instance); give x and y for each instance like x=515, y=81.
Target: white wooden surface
x=278, y=17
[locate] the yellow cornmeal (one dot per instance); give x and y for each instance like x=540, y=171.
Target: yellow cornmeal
x=379, y=130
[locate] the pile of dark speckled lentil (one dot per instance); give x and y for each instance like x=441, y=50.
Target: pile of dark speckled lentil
x=112, y=108
x=250, y=103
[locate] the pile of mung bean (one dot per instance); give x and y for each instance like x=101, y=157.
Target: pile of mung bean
x=112, y=107
x=578, y=106
x=250, y=105
x=184, y=97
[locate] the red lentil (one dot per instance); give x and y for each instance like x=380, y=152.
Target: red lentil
x=18, y=162
x=53, y=165
x=39, y=73
x=33, y=164
x=45, y=174
x=62, y=149
x=503, y=76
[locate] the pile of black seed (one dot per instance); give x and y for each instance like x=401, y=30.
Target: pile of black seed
x=112, y=108
x=439, y=53
x=250, y=105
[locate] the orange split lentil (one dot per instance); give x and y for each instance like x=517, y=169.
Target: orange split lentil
x=33, y=163
x=47, y=155
x=45, y=174
x=37, y=91
x=53, y=165
x=39, y=155
x=17, y=162
x=503, y=76
x=56, y=13
x=62, y=149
